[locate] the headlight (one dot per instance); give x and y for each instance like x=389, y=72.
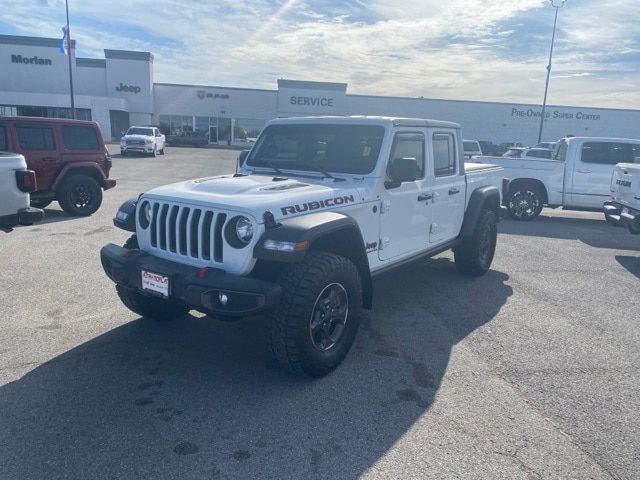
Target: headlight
x=144, y=214
x=244, y=229
x=239, y=231
x=149, y=141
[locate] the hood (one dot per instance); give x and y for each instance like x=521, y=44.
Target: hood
x=137, y=137
x=255, y=194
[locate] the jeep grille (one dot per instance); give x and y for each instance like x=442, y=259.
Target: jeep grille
x=187, y=231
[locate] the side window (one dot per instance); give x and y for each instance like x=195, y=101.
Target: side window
x=636, y=152
x=608, y=153
x=444, y=154
x=3, y=137
x=36, y=137
x=409, y=145
x=79, y=138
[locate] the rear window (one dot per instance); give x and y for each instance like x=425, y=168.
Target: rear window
x=470, y=146
x=3, y=137
x=77, y=137
x=539, y=153
x=608, y=153
x=36, y=137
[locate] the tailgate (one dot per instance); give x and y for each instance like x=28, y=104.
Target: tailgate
x=625, y=183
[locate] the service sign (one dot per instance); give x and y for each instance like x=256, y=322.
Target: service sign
x=311, y=101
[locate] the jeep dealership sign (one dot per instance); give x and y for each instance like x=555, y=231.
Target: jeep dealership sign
x=128, y=88
x=35, y=60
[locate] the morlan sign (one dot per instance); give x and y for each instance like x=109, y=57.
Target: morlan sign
x=35, y=60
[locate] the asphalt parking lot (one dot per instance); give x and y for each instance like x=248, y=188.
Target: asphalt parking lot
x=528, y=372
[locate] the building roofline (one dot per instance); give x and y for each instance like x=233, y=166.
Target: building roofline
x=284, y=83
x=32, y=41
x=214, y=86
x=91, y=62
x=128, y=55
x=487, y=102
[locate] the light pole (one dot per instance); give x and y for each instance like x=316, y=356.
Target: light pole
x=557, y=4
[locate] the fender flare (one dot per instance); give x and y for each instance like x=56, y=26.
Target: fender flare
x=68, y=170
x=315, y=231
x=487, y=195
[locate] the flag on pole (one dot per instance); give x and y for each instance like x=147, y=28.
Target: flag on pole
x=64, y=43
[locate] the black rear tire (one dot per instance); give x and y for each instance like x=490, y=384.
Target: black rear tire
x=525, y=202
x=80, y=195
x=316, y=322
x=474, y=256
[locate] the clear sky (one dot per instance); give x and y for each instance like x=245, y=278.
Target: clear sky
x=457, y=49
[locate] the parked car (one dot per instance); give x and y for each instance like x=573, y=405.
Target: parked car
x=548, y=145
x=624, y=207
x=319, y=206
x=471, y=148
x=69, y=158
x=190, y=139
x=503, y=147
x=142, y=140
x=537, y=153
x=514, y=152
x=578, y=176
x=16, y=183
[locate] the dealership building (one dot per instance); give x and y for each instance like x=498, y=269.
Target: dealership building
x=119, y=90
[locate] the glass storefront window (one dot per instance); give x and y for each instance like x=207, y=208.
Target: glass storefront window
x=247, y=128
x=202, y=124
x=224, y=129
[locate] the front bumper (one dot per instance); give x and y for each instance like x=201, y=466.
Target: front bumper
x=200, y=288
x=137, y=148
x=24, y=216
x=621, y=215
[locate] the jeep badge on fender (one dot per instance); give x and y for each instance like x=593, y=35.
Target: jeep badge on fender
x=318, y=207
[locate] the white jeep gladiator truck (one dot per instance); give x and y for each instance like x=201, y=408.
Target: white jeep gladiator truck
x=319, y=206
x=16, y=183
x=624, y=207
x=143, y=140
x=578, y=175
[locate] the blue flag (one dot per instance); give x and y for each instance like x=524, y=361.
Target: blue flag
x=64, y=43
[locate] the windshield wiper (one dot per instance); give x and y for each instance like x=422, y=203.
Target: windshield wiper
x=270, y=164
x=319, y=168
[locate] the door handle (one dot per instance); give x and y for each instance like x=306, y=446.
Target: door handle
x=453, y=191
x=425, y=196
x=583, y=171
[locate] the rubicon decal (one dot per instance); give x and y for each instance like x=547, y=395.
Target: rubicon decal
x=329, y=202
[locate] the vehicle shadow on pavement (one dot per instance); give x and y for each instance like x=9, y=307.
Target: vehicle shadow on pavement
x=593, y=232
x=197, y=398
x=632, y=264
x=53, y=215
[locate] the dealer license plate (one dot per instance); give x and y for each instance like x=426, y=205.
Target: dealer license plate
x=155, y=282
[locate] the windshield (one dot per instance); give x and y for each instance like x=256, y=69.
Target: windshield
x=140, y=131
x=471, y=146
x=512, y=153
x=332, y=148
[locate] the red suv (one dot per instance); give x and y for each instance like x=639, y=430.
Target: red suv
x=69, y=157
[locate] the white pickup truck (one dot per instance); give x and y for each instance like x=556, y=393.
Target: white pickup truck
x=143, y=140
x=319, y=206
x=16, y=183
x=624, y=207
x=578, y=175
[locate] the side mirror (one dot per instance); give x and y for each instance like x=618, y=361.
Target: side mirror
x=402, y=170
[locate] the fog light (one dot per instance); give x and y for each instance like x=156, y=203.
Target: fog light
x=223, y=298
x=122, y=216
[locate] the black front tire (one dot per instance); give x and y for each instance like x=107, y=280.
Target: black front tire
x=80, y=195
x=147, y=306
x=474, y=256
x=292, y=337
